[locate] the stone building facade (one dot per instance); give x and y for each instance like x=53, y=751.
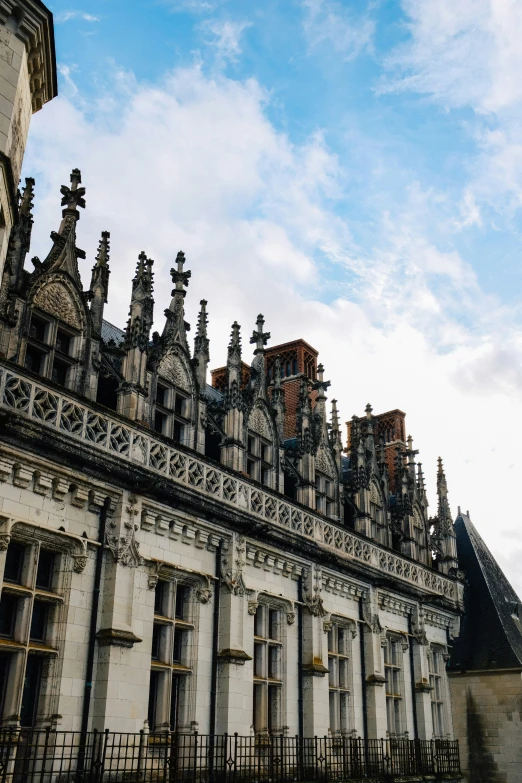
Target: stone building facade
x=173, y=554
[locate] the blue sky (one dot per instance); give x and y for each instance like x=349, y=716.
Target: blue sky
x=352, y=169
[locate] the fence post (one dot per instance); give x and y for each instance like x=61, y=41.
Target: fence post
x=44, y=757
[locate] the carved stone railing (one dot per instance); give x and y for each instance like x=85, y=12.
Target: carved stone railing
x=60, y=412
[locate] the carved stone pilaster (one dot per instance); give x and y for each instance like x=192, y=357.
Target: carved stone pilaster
x=312, y=598
x=121, y=535
x=232, y=563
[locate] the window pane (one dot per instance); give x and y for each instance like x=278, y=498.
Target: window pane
x=63, y=342
x=156, y=642
x=273, y=624
x=153, y=699
x=273, y=663
x=59, y=373
x=5, y=661
x=161, y=395
x=259, y=660
x=159, y=596
x=8, y=606
x=160, y=423
x=31, y=692
x=181, y=602
x=178, y=432
x=39, y=621
x=179, y=405
x=13, y=563
x=33, y=359
x=174, y=702
x=44, y=575
x=37, y=328
x=179, y=644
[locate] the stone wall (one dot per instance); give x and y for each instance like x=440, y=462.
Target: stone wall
x=487, y=720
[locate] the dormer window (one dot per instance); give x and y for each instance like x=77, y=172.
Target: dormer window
x=324, y=495
x=171, y=414
x=259, y=459
x=49, y=349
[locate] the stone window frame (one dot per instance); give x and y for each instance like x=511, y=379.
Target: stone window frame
x=340, y=693
x=377, y=509
x=272, y=724
x=70, y=552
x=198, y=591
x=397, y=644
x=325, y=500
x=439, y=696
x=259, y=461
x=48, y=349
x=169, y=411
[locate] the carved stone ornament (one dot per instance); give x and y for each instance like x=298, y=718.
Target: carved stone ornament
x=258, y=423
x=418, y=619
x=395, y=636
x=312, y=599
x=370, y=616
x=231, y=576
x=125, y=547
x=55, y=299
x=170, y=573
x=252, y=607
x=171, y=368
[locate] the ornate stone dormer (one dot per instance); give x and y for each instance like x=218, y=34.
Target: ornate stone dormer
x=174, y=384
x=133, y=394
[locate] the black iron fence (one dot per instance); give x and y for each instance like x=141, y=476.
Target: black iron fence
x=107, y=757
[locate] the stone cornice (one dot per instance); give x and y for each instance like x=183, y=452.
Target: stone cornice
x=34, y=26
x=80, y=422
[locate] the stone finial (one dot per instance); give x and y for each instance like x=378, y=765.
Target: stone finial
x=180, y=276
x=102, y=256
x=259, y=338
x=73, y=197
x=25, y=206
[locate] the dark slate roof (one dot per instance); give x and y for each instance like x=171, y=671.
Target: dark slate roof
x=213, y=395
x=491, y=629
x=111, y=332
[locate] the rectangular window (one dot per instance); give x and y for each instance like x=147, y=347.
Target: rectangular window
x=339, y=677
x=160, y=423
x=437, y=669
x=161, y=395
x=59, y=373
x=171, y=652
x=324, y=495
x=8, y=607
x=39, y=619
x=5, y=665
x=63, y=342
x=44, y=574
x=159, y=597
x=394, y=686
x=14, y=561
x=31, y=691
x=37, y=328
x=268, y=669
x=259, y=460
x=33, y=359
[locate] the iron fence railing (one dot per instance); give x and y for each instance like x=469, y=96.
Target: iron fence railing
x=106, y=757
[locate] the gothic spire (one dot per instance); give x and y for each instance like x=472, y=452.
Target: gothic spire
x=20, y=238
x=443, y=511
x=303, y=418
x=320, y=418
x=257, y=374
x=137, y=333
x=64, y=254
x=175, y=326
x=201, y=346
x=99, y=289
x=278, y=398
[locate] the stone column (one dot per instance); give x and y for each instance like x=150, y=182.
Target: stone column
x=315, y=658
x=374, y=666
x=421, y=678
x=236, y=644
x=123, y=666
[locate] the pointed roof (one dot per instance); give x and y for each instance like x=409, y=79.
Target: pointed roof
x=491, y=629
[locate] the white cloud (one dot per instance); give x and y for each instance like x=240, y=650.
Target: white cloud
x=194, y=163
x=326, y=23
x=226, y=37
x=66, y=16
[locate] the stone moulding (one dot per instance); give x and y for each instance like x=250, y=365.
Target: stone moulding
x=55, y=540
x=85, y=423
x=116, y=637
x=234, y=656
